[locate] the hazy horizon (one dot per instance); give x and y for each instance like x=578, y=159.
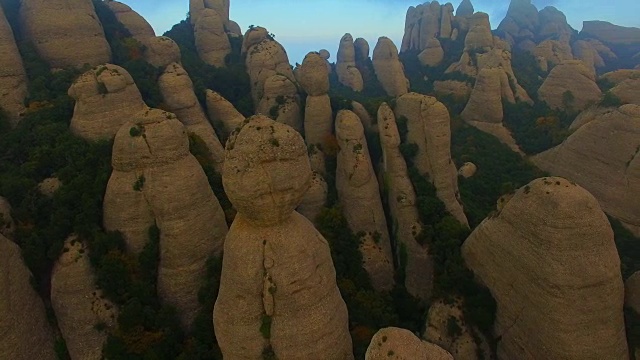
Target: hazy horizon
x=302, y=27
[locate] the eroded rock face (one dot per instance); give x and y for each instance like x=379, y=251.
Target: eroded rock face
x=212, y=41
x=348, y=73
x=570, y=77
x=7, y=226
x=610, y=33
x=281, y=102
x=632, y=292
x=24, y=330
x=106, y=97
x=465, y=9
x=628, y=91
x=402, y=205
x=66, y=33
x=603, y=157
x=78, y=304
x=13, y=77
x=550, y=261
x=161, y=51
x=362, y=48
x=315, y=198
x=277, y=269
x=156, y=180
x=400, y=344
x=389, y=69
x=139, y=28
x=433, y=54
x=314, y=77
x=221, y=111
x=429, y=128
x=179, y=97
x=485, y=103
x=425, y=22
x=360, y=199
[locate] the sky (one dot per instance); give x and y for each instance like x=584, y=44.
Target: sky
x=302, y=26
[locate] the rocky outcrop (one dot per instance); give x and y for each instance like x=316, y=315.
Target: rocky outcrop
x=79, y=306
x=156, y=180
x=520, y=22
x=479, y=36
x=485, y=103
x=610, y=33
x=554, y=25
x=139, y=28
x=550, y=53
x=603, y=156
x=281, y=102
x=7, y=226
x=278, y=289
x=583, y=50
x=468, y=343
x=467, y=170
x=66, y=33
x=628, y=91
x=458, y=89
x=358, y=192
x=389, y=69
x=365, y=117
x=212, y=41
x=429, y=128
x=221, y=7
x=433, y=54
x=318, y=116
x=315, y=198
x=161, y=51
x=425, y=22
x=465, y=9
x=106, y=97
x=179, y=97
x=618, y=76
x=570, y=86
x=402, y=202
x=13, y=77
x=550, y=261
x=222, y=114
x=632, y=292
x=348, y=73
x=361, y=47
x=24, y=330
x=401, y=344
x=588, y=115
x=49, y=186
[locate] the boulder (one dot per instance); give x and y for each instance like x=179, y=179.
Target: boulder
x=80, y=307
x=13, y=77
x=348, y=73
x=106, y=98
x=49, y=186
x=603, y=156
x=179, y=98
x=156, y=180
x=570, y=86
x=315, y=198
x=222, y=114
x=467, y=170
x=433, y=54
x=389, y=70
x=278, y=289
x=139, y=28
x=7, y=226
x=401, y=344
x=359, y=196
x=66, y=33
x=254, y=36
x=429, y=128
x=212, y=41
x=24, y=331
x=550, y=261
x=161, y=51
x=313, y=75
x=402, y=204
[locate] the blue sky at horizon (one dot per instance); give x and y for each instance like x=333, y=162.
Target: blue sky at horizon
x=310, y=25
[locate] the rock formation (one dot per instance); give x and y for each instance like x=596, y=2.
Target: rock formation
x=212, y=41
x=359, y=195
x=467, y=170
x=318, y=116
x=570, y=86
x=65, y=32
x=161, y=51
x=222, y=112
x=156, y=180
x=179, y=97
x=433, y=54
x=583, y=50
x=610, y=33
x=315, y=198
x=401, y=344
x=389, y=69
x=401, y=199
x=467, y=344
x=465, y=9
x=485, y=103
x=139, y=28
x=428, y=126
x=632, y=292
x=278, y=291
x=365, y=117
x=588, y=115
x=79, y=306
x=361, y=47
x=628, y=91
x=7, y=226
x=13, y=78
x=24, y=330
x=603, y=156
x=550, y=53
x=49, y=186
x=281, y=102
x=425, y=22
x=348, y=73
x=550, y=261
x=106, y=97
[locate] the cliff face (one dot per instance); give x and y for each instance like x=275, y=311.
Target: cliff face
x=550, y=261
x=277, y=292
x=65, y=32
x=13, y=78
x=156, y=180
